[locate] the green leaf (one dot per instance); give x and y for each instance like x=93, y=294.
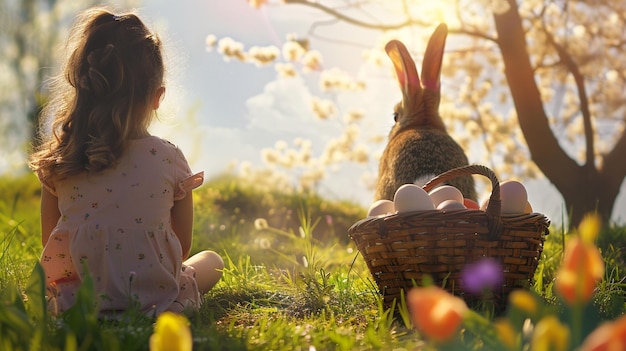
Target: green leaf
x=36, y=293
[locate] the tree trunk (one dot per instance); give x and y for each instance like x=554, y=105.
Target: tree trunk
x=583, y=187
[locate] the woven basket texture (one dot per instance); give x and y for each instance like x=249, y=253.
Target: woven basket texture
x=402, y=249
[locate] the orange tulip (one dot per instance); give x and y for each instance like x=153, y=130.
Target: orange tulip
x=608, y=336
x=435, y=313
x=580, y=271
x=582, y=265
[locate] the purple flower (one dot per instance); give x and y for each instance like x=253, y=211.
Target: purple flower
x=483, y=275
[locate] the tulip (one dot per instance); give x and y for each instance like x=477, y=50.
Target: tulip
x=171, y=333
x=435, y=313
x=581, y=270
x=608, y=336
x=550, y=335
x=582, y=267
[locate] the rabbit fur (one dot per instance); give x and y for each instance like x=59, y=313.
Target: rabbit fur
x=419, y=146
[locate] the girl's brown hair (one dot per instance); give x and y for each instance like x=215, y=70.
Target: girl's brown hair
x=104, y=97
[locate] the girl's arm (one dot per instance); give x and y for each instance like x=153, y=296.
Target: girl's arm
x=49, y=214
x=182, y=222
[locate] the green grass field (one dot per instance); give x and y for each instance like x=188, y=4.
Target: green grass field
x=293, y=281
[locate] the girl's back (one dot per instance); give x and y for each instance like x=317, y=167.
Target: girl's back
x=117, y=223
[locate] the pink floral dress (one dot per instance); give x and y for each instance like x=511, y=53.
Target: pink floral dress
x=116, y=224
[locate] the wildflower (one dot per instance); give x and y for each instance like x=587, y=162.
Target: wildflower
x=481, y=276
x=550, y=335
x=260, y=224
x=523, y=301
x=608, y=336
x=436, y=313
x=582, y=265
x=506, y=333
x=171, y=333
x=589, y=228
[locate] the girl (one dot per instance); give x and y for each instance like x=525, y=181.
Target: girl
x=116, y=202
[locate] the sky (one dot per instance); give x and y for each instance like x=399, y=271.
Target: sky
x=239, y=109
x=219, y=112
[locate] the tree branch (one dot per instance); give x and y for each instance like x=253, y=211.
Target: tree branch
x=383, y=27
x=544, y=148
x=571, y=66
x=354, y=21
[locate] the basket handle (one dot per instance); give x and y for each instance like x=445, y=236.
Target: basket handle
x=494, y=222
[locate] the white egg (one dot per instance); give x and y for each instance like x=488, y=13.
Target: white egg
x=513, y=196
x=410, y=197
x=445, y=192
x=451, y=205
x=381, y=208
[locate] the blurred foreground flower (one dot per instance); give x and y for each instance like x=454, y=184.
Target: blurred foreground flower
x=171, y=333
x=550, y=335
x=506, y=333
x=482, y=276
x=435, y=312
x=608, y=336
x=523, y=301
x=583, y=266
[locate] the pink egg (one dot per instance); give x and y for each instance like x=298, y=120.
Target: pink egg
x=381, y=208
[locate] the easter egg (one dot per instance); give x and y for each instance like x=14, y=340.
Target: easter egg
x=445, y=192
x=471, y=204
x=451, y=205
x=528, y=209
x=513, y=196
x=410, y=197
x=381, y=208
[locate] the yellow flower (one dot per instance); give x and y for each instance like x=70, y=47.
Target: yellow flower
x=171, y=333
x=589, y=228
x=524, y=301
x=550, y=335
x=506, y=333
x=435, y=312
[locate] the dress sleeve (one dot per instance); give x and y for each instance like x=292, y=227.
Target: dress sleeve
x=186, y=180
x=188, y=184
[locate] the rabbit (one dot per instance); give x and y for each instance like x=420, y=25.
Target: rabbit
x=419, y=146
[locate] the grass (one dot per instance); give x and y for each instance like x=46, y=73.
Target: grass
x=293, y=280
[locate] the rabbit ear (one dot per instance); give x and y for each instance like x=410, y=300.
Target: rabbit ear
x=406, y=72
x=431, y=67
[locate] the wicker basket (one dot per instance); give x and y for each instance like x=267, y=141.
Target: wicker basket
x=400, y=249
